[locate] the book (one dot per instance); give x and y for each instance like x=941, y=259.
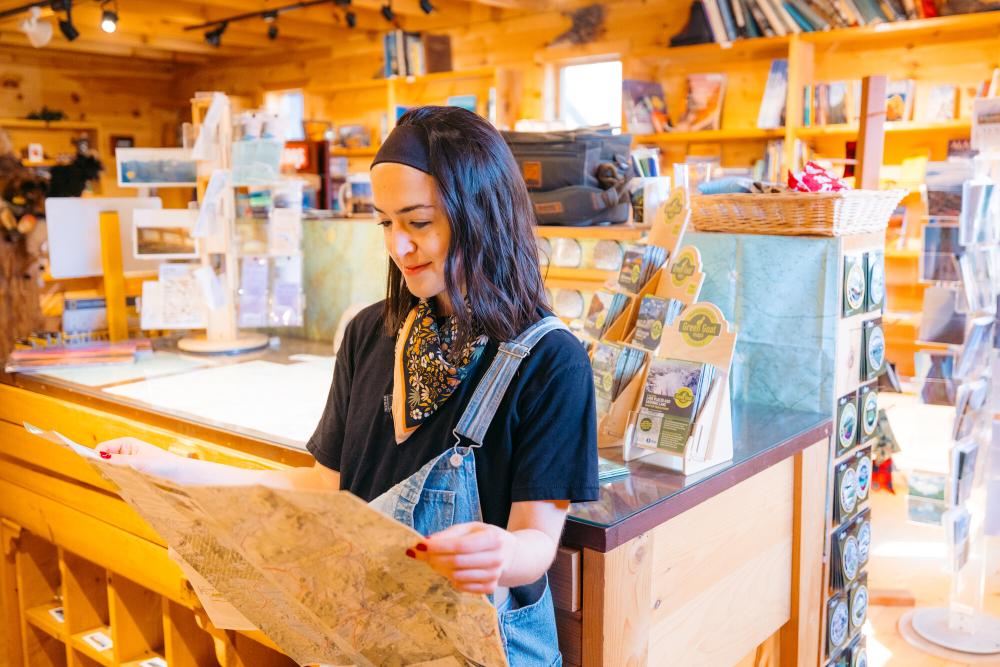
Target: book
x=753, y=28
x=605, y=307
x=942, y=103
x=772, y=105
x=645, y=107
x=811, y=14
x=671, y=402
x=607, y=469
x=800, y=19
x=655, y=313
x=467, y=102
x=704, y=102
x=614, y=367
x=354, y=136
x=899, y=100
x=757, y=13
x=727, y=20
x=784, y=16
x=639, y=264
x=837, y=103
x=437, y=53
x=715, y=21
x=777, y=25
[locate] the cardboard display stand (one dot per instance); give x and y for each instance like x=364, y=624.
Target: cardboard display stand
x=703, y=335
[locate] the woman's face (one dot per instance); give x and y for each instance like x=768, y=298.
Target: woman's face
x=417, y=233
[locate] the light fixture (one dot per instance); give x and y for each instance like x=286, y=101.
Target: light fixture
x=388, y=14
x=272, y=32
x=66, y=26
x=272, y=29
x=214, y=37
x=39, y=32
x=352, y=19
x=109, y=18
x=426, y=6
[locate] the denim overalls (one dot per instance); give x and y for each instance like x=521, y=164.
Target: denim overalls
x=444, y=493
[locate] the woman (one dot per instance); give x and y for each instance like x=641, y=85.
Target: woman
x=459, y=389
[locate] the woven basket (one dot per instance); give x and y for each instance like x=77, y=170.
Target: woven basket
x=796, y=213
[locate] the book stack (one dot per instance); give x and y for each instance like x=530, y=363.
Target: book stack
x=730, y=20
x=639, y=264
x=605, y=307
x=615, y=366
x=672, y=399
x=415, y=54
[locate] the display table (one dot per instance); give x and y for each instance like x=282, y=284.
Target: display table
x=721, y=568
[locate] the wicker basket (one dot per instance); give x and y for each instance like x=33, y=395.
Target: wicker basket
x=796, y=213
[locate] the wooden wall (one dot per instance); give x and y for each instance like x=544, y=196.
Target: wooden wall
x=481, y=37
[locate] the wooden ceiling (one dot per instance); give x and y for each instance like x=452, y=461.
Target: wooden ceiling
x=156, y=28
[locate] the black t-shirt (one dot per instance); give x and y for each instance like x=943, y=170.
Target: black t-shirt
x=541, y=445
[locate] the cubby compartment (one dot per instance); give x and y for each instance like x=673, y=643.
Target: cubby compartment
x=136, y=621
x=79, y=659
x=42, y=649
x=85, y=602
x=39, y=583
x=249, y=653
x=187, y=645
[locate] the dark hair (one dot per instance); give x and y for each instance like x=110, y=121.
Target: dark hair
x=492, y=253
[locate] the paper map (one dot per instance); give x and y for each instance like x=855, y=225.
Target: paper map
x=322, y=574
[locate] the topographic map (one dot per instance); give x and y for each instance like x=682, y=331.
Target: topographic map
x=322, y=574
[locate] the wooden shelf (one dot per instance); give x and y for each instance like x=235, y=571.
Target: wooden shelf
x=607, y=232
x=136, y=661
x=105, y=657
x=41, y=163
x=898, y=127
x=559, y=273
x=750, y=49
x=352, y=86
x=456, y=75
x=67, y=125
x=354, y=152
x=900, y=31
x=710, y=136
x=41, y=618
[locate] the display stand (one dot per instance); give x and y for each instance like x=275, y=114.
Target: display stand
x=961, y=631
x=221, y=335
x=700, y=334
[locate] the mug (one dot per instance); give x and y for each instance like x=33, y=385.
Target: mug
x=355, y=195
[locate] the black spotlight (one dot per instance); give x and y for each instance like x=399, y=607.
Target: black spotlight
x=272, y=31
x=109, y=20
x=214, y=37
x=426, y=6
x=352, y=19
x=66, y=26
x=388, y=14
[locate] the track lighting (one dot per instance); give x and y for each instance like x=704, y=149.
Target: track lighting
x=66, y=26
x=39, y=32
x=272, y=32
x=109, y=17
x=214, y=37
x=426, y=6
x=388, y=14
x=352, y=19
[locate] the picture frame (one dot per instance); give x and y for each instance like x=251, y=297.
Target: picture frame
x=156, y=167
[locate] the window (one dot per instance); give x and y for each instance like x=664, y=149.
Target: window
x=591, y=94
x=290, y=107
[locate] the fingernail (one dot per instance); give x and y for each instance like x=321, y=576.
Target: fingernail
x=411, y=553
x=421, y=547
x=105, y=455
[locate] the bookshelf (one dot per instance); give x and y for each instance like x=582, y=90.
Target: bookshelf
x=56, y=138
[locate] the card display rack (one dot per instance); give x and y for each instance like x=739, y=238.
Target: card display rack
x=70, y=612
x=860, y=302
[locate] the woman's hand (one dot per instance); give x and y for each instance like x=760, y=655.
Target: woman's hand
x=472, y=556
x=142, y=456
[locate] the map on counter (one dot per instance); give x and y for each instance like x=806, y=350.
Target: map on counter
x=322, y=574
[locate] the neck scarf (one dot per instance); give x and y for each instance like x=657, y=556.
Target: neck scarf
x=426, y=371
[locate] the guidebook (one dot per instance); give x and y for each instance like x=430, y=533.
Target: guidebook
x=671, y=402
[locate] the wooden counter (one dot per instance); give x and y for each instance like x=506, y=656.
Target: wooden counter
x=721, y=568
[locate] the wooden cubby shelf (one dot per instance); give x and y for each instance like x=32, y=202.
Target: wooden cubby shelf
x=105, y=657
x=711, y=136
x=40, y=617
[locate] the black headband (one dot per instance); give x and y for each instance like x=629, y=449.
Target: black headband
x=406, y=144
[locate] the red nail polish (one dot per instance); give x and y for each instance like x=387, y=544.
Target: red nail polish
x=411, y=553
x=105, y=455
x=421, y=547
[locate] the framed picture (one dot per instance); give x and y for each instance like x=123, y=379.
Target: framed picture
x=35, y=153
x=121, y=141
x=164, y=234
x=156, y=167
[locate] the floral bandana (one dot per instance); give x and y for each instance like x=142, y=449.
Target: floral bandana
x=424, y=375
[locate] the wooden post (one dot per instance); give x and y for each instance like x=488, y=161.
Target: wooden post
x=871, y=135
x=114, y=277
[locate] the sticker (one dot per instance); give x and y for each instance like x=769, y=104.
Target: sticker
x=860, y=657
x=854, y=287
x=876, y=281
x=869, y=412
x=859, y=605
x=864, y=541
x=849, y=491
x=156, y=661
x=848, y=428
x=864, y=476
x=839, y=623
x=98, y=640
x=701, y=325
x=875, y=350
x=849, y=559
x=57, y=613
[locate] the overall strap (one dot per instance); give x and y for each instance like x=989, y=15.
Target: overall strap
x=486, y=398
